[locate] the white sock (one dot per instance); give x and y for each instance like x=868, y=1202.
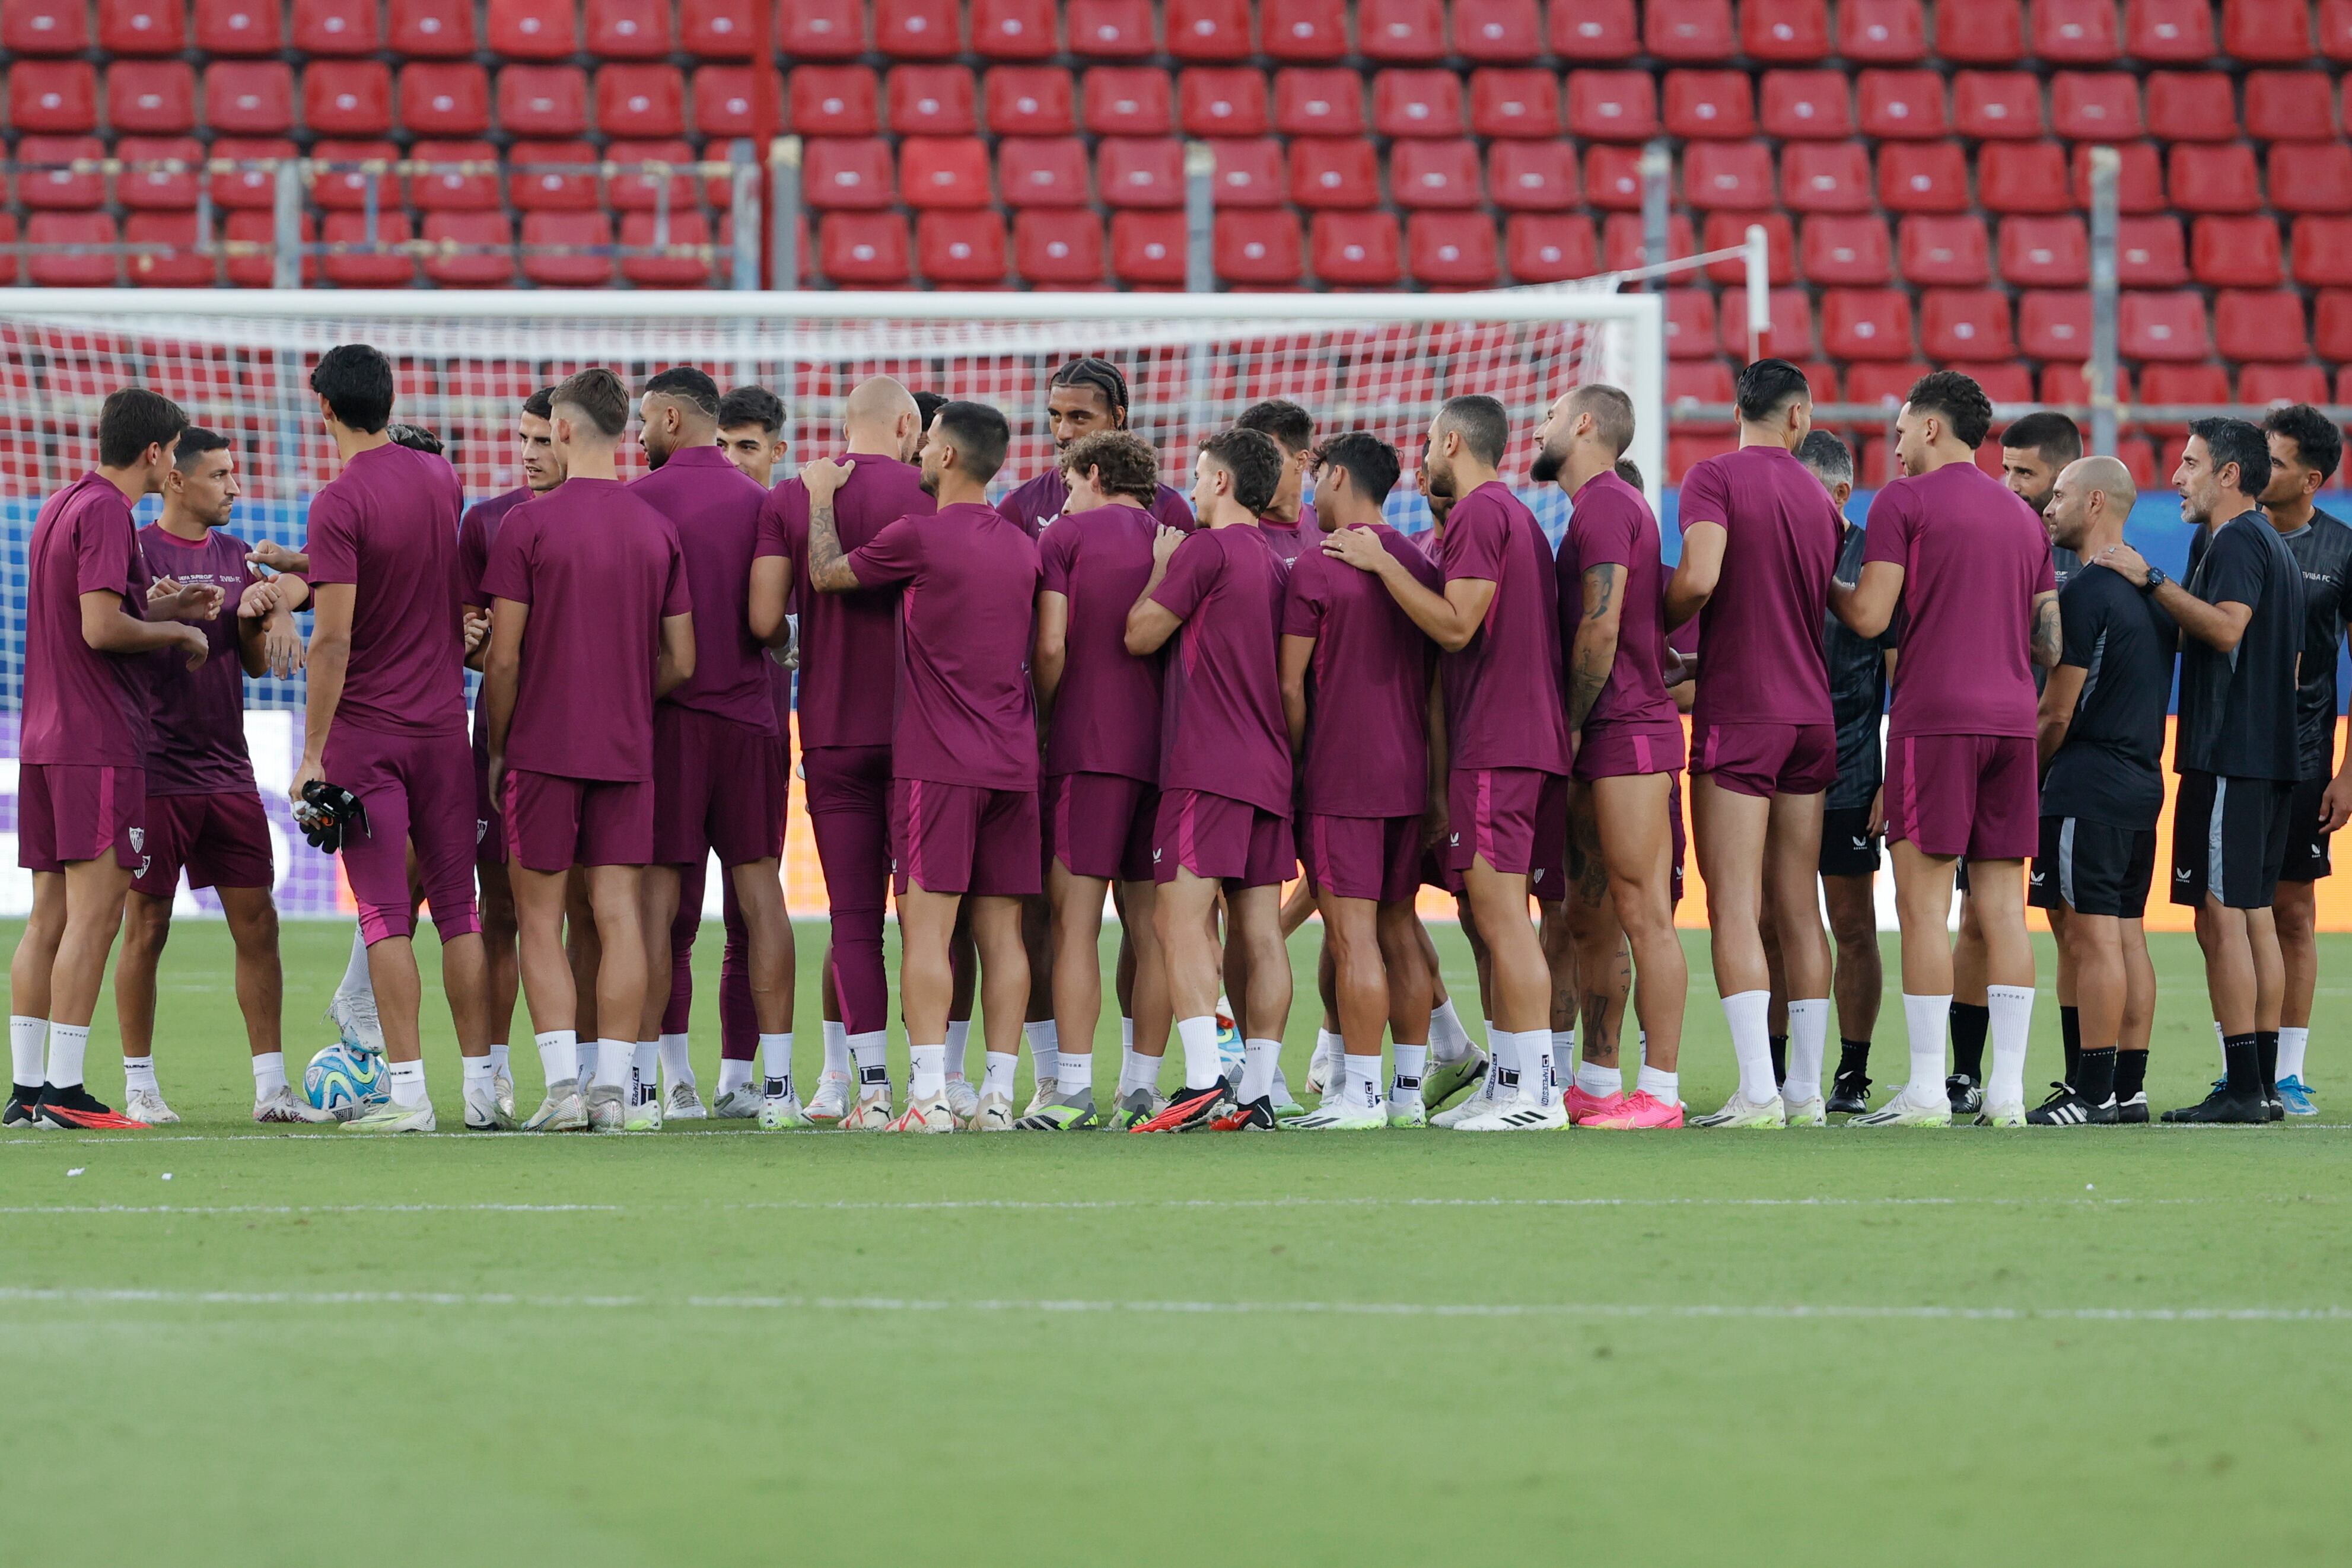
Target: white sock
x=477, y=1073
x=1404, y=1084
x=587, y=1052
x=1657, y=1085
x=26, y=1040
x=1751, y=1042
x=1045, y=1052
x=1534, y=1064
x=559, y=1054
x=1327, y=1047
x=408, y=1083
x=1137, y=1071
x=836, y=1048
x=1199, y=1038
x=1364, y=1081
x=959, y=1046
x=1259, y=1059
x=1503, y=1076
x=998, y=1079
x=1280, y=1088
x=929, y=1079
x=68, y=1041
x=138, y=1074
x=2293, y=1043
x=1448, y=1041
x=1926, y=1018
x=644, y=1068
x=268, y=1073
x=776, y=1063
x=733, y=1075
x=2013, y=1020
x=1073, y=1073
x=1808, y=1039
x=1127, y=1033
x=870, y=1052
x=502, y=1058
x=355, y=981
x=615, y=1060
x=1599, y=1081
x=676, y=1059
x=1563, y=1053
x=2222, y=1045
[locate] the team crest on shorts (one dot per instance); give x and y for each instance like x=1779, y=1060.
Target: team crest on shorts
x=138, y=838
x=481, y=829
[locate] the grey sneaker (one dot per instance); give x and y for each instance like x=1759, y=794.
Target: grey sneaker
x=963, y=1100
x=607, y=1107
x=353, y=1015
x=683, y=1103
x=282, y=1104
x=561, y=1111
x=1134, y=1108
x=740, y=1103
x=394, y=1117
x=502, y=1082
x=1060, y=1112
x=484, y=1113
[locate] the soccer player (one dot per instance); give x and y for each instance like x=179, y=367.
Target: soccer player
x=82, y=789
x=387, y=721
x=1289, y=520
x=1498, y=621
x=1356, y=696
x=2236, y=747
x=2305, y=447
x=1627, y=736
x=2102, y=749
x=751, y=432
x=1969, y=565
x=720, y=776
x=1100, y=711
x=203, y=809
x=1760, y=541
x=591, y=624
x=849, y=673
x=1223, y=821
x=1083, y=397
x=963, y=744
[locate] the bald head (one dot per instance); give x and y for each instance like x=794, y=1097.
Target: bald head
x=2088, y=503
x=880, y=419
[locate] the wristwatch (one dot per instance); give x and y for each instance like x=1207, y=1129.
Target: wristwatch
x=2156, y=579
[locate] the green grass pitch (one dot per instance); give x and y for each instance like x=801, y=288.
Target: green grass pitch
x=237, y=1345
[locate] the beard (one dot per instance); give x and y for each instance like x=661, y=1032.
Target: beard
x=1547, y=465
x=1441, y=484
x=930, y=481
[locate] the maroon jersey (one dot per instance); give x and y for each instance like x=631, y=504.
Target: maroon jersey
x=1612, y=525
x=388, y=525
x=1367, y=695
x=715, y=508
x=1502, y=690
x=1107, y=708
x=197, y=716
x=1221, y=725
x=1038, y=503
x=82, y=707
x=475, y=533
x=1291, y=540
x=1762, y=625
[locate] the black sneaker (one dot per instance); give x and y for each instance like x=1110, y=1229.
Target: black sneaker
x=1257, y=1116
x=2275, y=1106
x=2222, y=1106
x=1966, y=1095
x=1189, y=1110
x=76, y=1109
x=2066, y=1108
x=1849, y=1094
x=21, y=1098
x=2131, y=1113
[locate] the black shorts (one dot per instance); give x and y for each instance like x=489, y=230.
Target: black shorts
x=2229, y=840
x=2093, y=868
x=1848, y=848
x=2307, y=846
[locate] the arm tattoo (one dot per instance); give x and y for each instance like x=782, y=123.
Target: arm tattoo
x=828, y=568
x=2047, y=643
x=1589, y=666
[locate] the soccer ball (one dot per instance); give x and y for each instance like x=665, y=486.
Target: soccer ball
x=344, y=1081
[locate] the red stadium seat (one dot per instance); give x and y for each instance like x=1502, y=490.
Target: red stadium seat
x=639, y=100
x=1058, y=249
x=2161, y=32
x=1944, y=252
x=2236, y=252
x=944, y=171
x=143, y=26
x=965, y=247
x=847, y=174
x=1548, y=248
x=1906, y=105
x=1882, y=32
x=720, y=101
x=2250, y=325
x=1396, y=31
x=2179, y=383
x=353, y=97
x=1532, y=176
x=436, y=99
x=1679, y=30
x=159, y=187
x=250, y=187
x=1044, y=171
x=1965, y=324
x=1924, y=176
x=2331, y=326
x=1709, y=104
x=1417, y=103
x=2045, y=253
x=183, y=266
x=1315, y=30
x=1725, y=231
x=431, y=29
x=2161, y=326
x=2267, y=30
x=1140, y=171
x=2215, y=178
x=918, y=29
x=2190, y=106
x=1452, y=251
x=1210, y=30
x=1111, y=29
x=1148, y=247
x=2150, y=251
x=151, y=98
x=642, y=230
x=1807, y=105
x=2290, y=106
x=240, y=27
x=552, y=176
x=1436, y=174
x=2312, y=178
x=566, y=231
x=1357, y=250
x=1846, y=251
x=1733, y=174
x=1690, y=324
x=346, y=188
x=1122, y=100
x=2275, y=385
x=487, y=257
x=1825, y=177
x=933, y=100
x=1613, y=106
x=59, y=270
x=2321, y=251
x=2090, y=106
x=863, y=249
x=834, y=101
x=543, y=100
x=253, y=234
x=821, y=30
x=1981, y=32
x=1497, y=32
x=643, y=191
x=1222, y=101
x=1997, y=104
x=60, y=188
x=1260, y=247
x=1866, y=324
x=2064, y=383
x=1506, y=103
x=53, y=96
x=1791, y=335
x=1029, y=100
x=454, y=191
x=629, y=29
x=45, y=27
x=1251, y=172
x=1612, y=177
x=334, y=27
x=2007, y=382
x=1599, y=31
x=1791, y=31
x=374, y=264
x=1013, y=29
x=2334, y=22
x=2139, y=178
x=1331, y=172
x=2022, y=177
x=1624, y=240
x=2054, y=324
x=2075, y=32
x=715, y=30
x=1314, y=102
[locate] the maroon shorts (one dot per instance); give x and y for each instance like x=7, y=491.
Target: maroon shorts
x=964, y=838
x=414, y=788
x=1514, y=817
x=66, y=813
x=223, y=840
x=718, y=787
x=1973, y=795
x=554, y=823
x=1768, y=759
x=490, y=821
x=1614, y=750
x=1436, y=873
x=1219, y=837
x=1362, y=857
x=1099, y=825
